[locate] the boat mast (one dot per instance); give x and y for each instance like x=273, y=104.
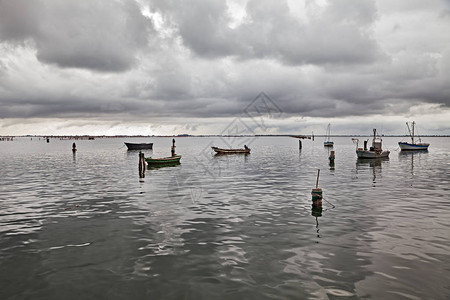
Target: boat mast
x=411, y=133
x=327, y=138
x=329, y=131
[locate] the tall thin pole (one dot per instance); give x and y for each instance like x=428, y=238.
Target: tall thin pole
x=317, y=180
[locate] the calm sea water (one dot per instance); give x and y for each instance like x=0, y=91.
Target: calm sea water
x=85, y=226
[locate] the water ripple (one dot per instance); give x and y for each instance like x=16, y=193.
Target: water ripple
x=231, y=226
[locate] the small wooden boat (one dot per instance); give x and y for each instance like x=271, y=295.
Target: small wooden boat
x=244, y=150
x=373, y=152
x=163, y=161
x=327, y=142
x=139, y=146
x=413, y=146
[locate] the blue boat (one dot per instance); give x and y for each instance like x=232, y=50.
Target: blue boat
x=413, y=146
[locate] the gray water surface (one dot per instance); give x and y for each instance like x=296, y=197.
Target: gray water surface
x=85, y=226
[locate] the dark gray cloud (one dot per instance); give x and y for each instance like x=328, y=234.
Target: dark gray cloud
x=18, y=19
x=202, y=59
x=203, y=25
x=94, y=35
x=341, y=34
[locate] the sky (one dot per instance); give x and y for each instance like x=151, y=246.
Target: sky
x=159, y=67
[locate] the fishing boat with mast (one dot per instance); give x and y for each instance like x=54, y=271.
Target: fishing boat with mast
x=413, y=146
x=373, y=152
x=327, y=142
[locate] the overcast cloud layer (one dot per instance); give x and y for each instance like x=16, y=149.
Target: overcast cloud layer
x=137, y=66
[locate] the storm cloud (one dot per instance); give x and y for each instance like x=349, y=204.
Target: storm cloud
x=202, y=60
x=95, y=35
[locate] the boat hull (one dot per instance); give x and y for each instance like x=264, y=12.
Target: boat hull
x=163, y=161
x=139, y=146
x=372, y=154
x=230, y=151
x=413, y=147
x=328, y=144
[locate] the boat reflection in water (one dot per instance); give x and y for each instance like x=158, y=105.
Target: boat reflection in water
x=406, y=157
x=374, y=163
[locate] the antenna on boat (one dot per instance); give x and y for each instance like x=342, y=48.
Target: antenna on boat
x=411, y=133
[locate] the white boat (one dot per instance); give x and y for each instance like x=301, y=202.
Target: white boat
x=373, y=152
x=327, y=142
x=405, y=146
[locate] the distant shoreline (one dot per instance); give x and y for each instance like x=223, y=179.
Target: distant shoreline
x=207, y=135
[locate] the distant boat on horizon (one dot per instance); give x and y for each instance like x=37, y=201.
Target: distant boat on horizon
x=413, y=146
x=327, y=142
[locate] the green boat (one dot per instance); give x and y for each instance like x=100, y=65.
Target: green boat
x=163, y=161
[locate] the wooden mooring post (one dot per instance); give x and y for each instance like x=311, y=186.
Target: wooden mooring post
x=317, y=192
x=332, y=156
x=172, y=150
x=141, y=165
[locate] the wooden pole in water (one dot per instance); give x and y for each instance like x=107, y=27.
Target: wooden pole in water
x=141, y=165
x=317, y=193
x=317, y=181
x=332, y=156
x=299, y=144
x=172, y=150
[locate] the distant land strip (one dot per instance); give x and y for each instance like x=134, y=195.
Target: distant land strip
x=210, y=135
